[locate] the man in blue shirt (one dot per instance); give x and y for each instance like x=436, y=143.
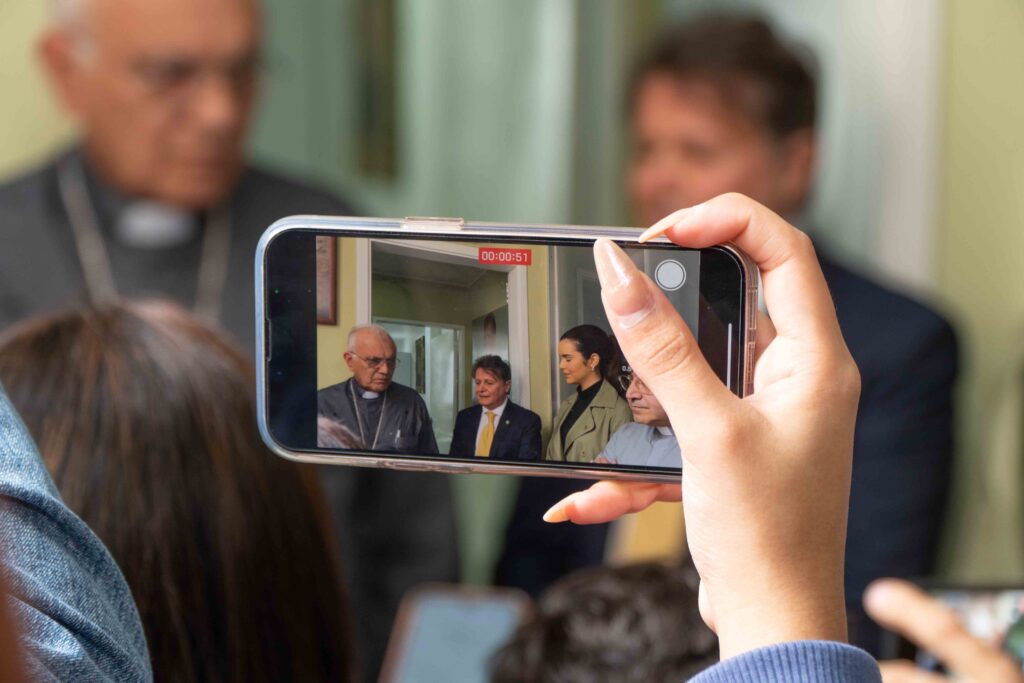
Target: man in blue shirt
x=648, y=441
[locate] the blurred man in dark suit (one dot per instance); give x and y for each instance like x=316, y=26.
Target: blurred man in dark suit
x=158, y=199
x=495, y=427
x=722, y=105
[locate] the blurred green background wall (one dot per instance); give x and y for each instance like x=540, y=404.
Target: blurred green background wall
x=510, y=111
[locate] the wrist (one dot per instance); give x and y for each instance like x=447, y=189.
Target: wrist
x=748, y=620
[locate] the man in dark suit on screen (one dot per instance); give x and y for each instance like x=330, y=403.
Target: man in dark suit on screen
x=495, y=427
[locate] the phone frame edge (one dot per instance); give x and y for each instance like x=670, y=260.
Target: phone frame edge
x=420, y=464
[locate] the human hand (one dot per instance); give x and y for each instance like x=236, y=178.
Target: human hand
x=767, y=478
x=902, y=607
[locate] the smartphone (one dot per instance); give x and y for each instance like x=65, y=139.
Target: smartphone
x=435, y=345
x=994, y=614
x=450, y=632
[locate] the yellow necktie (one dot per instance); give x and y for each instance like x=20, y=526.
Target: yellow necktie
x=483, y=448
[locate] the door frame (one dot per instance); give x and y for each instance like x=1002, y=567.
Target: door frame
x=460, y=349
x=460, y=254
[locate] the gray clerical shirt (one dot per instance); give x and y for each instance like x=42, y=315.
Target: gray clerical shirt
x=395, y=421
x=637, y=444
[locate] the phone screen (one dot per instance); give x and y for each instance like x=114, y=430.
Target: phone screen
x=995, y=615
x=490, y=348
x=451, y=634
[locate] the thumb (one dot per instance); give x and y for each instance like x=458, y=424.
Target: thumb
x=657, y=343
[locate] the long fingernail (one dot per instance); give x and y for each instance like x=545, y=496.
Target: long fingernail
x=626, y=293
x=614, y=268
x=662, y=226
x=558, y=512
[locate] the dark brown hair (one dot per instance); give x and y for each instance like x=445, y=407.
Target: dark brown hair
x=629, y=624
x=745, y=61
x=591, y=339
x=493, y=365
x=145, y=418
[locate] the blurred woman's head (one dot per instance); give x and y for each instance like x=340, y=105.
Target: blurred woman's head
x=145, y=418
x=586, y=354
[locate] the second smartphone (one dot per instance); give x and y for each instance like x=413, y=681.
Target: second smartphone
x=439, y=345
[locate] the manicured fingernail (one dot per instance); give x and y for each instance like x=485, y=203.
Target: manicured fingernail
x=614, y=268
x=625, y=293
x=558, y=512
x=662, y=226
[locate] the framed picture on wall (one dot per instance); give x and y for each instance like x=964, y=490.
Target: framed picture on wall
x=326, y=281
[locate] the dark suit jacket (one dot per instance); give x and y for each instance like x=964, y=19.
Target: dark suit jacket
x=516, y=437
x=903, y=444
x=395, y=529
x=903, y=453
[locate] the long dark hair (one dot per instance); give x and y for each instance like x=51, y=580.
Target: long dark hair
x=145, y=418
x=591, y=339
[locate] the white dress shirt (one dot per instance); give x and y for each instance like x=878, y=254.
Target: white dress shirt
x=483, y=420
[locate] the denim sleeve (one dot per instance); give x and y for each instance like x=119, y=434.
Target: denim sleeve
x=75, y=611
x=810, y=661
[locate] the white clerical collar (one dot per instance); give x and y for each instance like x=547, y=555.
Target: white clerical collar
x=366, y=394
x=497, y=411
x=147, y=224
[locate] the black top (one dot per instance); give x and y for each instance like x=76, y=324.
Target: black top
x=583, y=399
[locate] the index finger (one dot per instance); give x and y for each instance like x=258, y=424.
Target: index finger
x=608, y=500
x=795, y=291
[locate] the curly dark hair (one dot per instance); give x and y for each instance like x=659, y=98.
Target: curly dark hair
x=632, y=624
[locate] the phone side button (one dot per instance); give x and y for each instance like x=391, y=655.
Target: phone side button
x=447, y=469
x=407, y=466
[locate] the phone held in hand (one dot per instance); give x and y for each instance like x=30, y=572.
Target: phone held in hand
x=994, y=614
x=439, y=345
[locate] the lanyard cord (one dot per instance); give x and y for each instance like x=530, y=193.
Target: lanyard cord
x=359, y=417
x=95, y=261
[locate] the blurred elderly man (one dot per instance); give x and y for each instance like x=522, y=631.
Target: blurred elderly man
x=157, y=198
x=385, y=415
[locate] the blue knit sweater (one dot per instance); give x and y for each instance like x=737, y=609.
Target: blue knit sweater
x=809, y=661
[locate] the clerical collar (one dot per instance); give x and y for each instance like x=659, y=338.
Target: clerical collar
x=154, y=225
x=138, y=223
x=365, y=394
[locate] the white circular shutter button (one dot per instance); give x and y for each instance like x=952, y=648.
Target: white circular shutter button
x=670, y=275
